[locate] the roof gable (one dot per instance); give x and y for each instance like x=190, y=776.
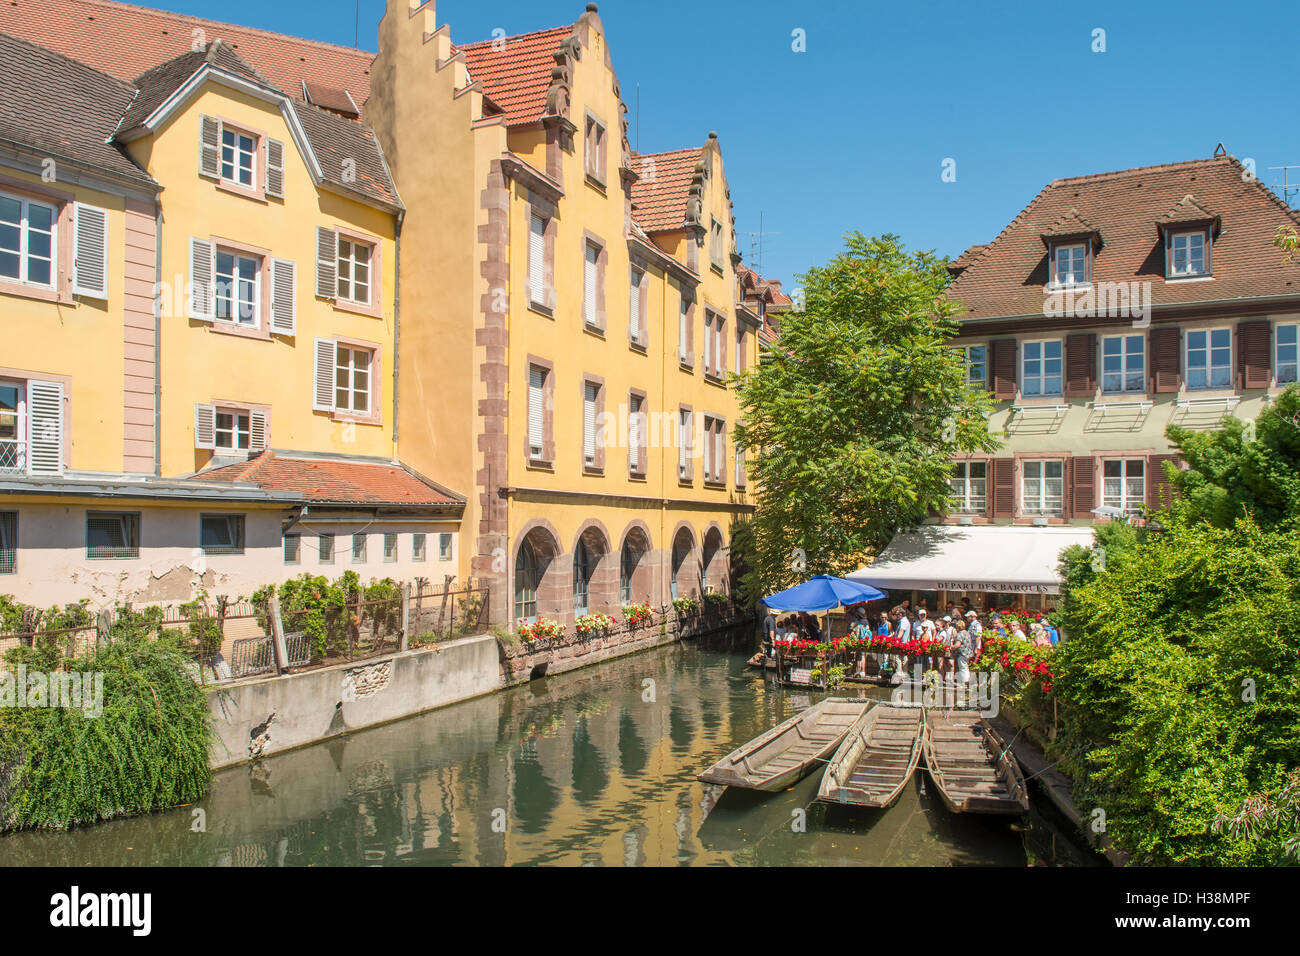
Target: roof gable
x=661, y=193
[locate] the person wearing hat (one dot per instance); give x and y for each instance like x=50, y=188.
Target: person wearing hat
x=924, y=632
x=947, y=634
x=769, y=631
x=976, y=631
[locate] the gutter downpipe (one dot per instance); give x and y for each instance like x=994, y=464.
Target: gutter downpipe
x=397, y=323
x=157, y=341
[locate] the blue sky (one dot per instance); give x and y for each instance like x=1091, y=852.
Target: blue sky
x=852, y=133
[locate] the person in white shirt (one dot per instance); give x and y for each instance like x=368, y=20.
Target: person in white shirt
x=903, y=633
x=947, y=634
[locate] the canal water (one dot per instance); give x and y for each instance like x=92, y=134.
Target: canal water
x=594, y=767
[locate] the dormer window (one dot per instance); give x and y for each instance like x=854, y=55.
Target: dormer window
x=1070, y=265
x=1187, y=254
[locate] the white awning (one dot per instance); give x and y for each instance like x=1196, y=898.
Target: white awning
x=1014, y=559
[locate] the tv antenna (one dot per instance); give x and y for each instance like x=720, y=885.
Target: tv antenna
x=756, y=245
x=1288, y=190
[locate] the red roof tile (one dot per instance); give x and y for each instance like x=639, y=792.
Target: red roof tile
x=125, y=40
x=659, y=197
x=516, y=71
x=1007, y=277
x=333, y=481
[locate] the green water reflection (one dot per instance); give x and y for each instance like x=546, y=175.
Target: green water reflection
x=592, y=767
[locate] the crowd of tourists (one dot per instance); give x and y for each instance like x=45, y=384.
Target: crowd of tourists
x=958, y=634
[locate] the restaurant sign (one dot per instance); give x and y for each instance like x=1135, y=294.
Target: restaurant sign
x=1018, y=588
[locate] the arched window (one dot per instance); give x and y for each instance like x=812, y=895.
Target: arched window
x=526, y=581
x=581, y=578
x=630, y=556
x=680, y=550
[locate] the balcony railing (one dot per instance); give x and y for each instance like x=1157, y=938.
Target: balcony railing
x=13, y=457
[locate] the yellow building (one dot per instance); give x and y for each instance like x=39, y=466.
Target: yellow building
x=574, y=313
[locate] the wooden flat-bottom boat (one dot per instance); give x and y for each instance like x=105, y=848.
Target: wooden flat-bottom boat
x=789, y=751
x=877, y=758
x=971, y=766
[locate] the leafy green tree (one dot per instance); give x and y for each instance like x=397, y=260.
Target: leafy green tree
x=851, y=420
x=1243, y=468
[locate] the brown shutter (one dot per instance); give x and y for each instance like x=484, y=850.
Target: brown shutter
x=1004, y=487
x=1166, y=359
x=1084, y=485
x=1254, y=339
x=1160, y=490
x=1002, y=368
x=1081, y=365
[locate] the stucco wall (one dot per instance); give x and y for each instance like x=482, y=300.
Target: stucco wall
x=320, y=704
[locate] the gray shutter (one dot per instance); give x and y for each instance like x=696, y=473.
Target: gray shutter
x=536, y=410
x=201, y=282
x=90, y=242
x=256, y=430
x=284, y=288
x=209, y=147
x=275, y=168
x=537, y=259
x=323, y=391
x=590, y=392
x=327, y=263
x=205, y=426
x=45, y=428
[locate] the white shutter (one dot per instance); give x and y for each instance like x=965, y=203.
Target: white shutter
x=209, y=147
x=284, y=288
x=537, y=259
x=45, y=428
x=720, y=451
x=322, y=398
x=708, y=448
x=256, y=430
x=202, y=261
x=708, y=342
x=327, y=263
x=589, y=268
x=90, y=242
x=589, y=393
x=634, y=306
x=536, y=418
x=683, y=427
x=275, y=168
x=681, y=332
x=634, y=435
x=205, y=426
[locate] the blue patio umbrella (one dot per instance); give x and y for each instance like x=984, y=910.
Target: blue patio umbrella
x=821, y=594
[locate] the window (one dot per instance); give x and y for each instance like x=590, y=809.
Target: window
x=634, y=304
x=221, y=534
x=359, y=548
x=1287, y=362
x=590, y=282
x=627, y=567
x=1123, y=485
x=590, y=414
x=1123, y=363
x=537, y=260
x=582, y=569
x=1044, y=488
x=292, y=548
x=684, y=331
x=354, y=271
x=325, y=548
x=112, y=535
x=8, y=541
x=710, y=449
x=527, y=578
x=238, y=157
x=536, y=411
x=390, y=547
x=969, y=485
x=684, y=445
x=444, y=546
x=596, y=149
x=1209, y=358
x=1188, y=254
x=1070, y=265
x=231, y=430
x=352, y=379
x=715, y=245
x=417, y=546
x=13, y=428
x=238, y=283
x=977, y=366
x=27, y=241
x=635, y=433
x=1042, y=369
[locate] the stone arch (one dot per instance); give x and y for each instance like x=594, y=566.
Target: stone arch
x=592, y=544
x=636, y=568
x=714, y=572
x=537, y=577
x=684, y=563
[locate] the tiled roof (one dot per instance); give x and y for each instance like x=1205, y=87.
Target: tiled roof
x=660, y=195
x=125, y=40
x=336, y=140
x=334, y=480
x=160, y=82
x=54, y=104
x=516, y=71
x=331, y=99
x=1007, y=278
